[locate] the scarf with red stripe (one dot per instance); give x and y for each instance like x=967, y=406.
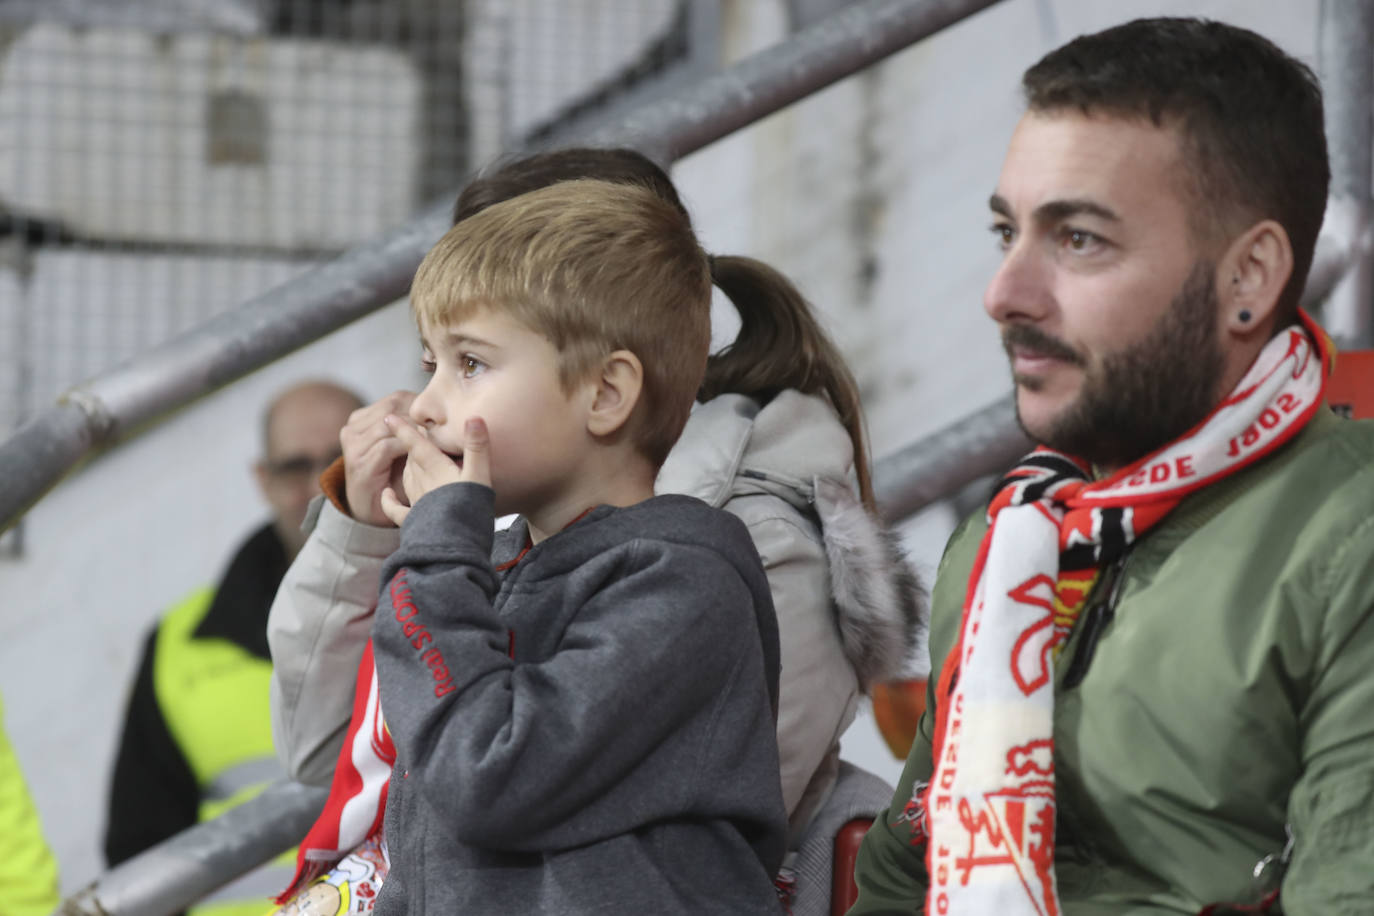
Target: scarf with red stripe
x=356, y=804
x=987, y=815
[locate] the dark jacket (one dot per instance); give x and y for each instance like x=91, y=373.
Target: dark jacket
x=583, y=726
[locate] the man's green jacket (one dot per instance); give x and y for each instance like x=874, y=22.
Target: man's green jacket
x=1228, y=702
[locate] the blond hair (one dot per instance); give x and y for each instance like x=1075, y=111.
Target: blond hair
x=594, y=267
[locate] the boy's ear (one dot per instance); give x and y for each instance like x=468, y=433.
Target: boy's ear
x=618, y=387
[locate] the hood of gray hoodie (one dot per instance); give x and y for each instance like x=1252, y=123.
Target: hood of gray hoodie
x=794, y=448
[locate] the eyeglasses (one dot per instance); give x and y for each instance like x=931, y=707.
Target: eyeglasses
x=299, y=468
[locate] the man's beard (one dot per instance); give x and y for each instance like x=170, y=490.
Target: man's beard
x=1145, y=396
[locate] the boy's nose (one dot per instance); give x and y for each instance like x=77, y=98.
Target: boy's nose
x=424, y=409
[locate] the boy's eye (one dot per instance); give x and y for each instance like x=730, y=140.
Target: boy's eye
x=427, y=365
x=471, y=366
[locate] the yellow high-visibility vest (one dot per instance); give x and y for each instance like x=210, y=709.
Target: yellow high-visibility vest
x=214, y=697
x=28, y=871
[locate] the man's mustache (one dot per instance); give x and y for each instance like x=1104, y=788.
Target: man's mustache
x=1029, y=337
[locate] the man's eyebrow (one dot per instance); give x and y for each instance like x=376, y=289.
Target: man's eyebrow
x=1056, y=210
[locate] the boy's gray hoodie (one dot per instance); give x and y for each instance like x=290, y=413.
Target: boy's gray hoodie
x=581, y=726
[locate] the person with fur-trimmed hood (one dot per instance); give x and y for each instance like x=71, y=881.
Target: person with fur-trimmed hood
x=846, y=600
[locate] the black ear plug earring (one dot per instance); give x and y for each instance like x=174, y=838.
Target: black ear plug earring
x=1244, y=315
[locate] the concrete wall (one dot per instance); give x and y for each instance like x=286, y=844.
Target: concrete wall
x=872, y=195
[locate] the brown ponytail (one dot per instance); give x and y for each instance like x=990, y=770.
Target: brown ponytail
x=781, y=345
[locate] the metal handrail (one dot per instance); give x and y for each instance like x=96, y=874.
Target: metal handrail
x=147, y=389
x=1345, y=42
x=185, y=868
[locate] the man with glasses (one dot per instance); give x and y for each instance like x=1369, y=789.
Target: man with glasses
x=197, y=736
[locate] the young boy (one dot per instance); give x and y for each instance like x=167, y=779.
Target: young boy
x=582, y=708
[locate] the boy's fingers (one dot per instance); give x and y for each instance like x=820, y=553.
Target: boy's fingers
x=365, y=423
x=381, y=454
x=392, y=507
x=401, y=429
x=476, y=452
x=422, y=455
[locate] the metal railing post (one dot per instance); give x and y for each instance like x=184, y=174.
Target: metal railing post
x=1346, y=55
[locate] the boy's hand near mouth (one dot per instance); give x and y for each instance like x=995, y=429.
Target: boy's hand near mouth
x=428, y=467
x=373, y=457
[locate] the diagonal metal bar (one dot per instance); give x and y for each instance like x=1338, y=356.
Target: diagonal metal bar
x=985, y=442
x=1345, y=48
x=179, y=871
x=861, y=33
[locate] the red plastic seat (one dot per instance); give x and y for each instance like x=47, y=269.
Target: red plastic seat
x=843, y=888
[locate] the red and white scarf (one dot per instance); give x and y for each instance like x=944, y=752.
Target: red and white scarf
x=356, y=804
x=988, y=812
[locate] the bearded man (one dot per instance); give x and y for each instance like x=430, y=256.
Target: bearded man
x=1153, y=653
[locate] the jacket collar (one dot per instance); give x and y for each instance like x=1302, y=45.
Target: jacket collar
x=238, y=612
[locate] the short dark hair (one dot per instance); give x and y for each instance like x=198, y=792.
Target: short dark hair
x=1249, y=116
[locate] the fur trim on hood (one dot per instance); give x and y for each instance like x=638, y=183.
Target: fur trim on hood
x=794, y=448
x=880, y=602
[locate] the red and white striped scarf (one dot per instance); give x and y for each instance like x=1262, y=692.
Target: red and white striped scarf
x=356, y=804
x=988, y=813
